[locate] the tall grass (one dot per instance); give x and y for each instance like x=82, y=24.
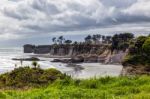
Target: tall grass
x=101, y=88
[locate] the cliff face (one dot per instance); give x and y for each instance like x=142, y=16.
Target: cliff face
x=62, y=50
x=90, y=53
x=29, y=48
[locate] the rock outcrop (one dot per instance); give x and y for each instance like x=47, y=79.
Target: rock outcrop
x=77, y=59
x=26, y=59
x=78, y=53
x=62, y=50
x=29, y=48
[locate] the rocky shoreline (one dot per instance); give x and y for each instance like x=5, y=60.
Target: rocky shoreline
x=27, y=59
x=115, y=58
x=106, y=58
x=135, y=70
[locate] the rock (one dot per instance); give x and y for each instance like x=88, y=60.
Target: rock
x=77, y=59
x=75, y=66
x=29, y=48
x=61, y=60
x=26, y=59
x=90, y=59
x=42, y=49
x=102, y=59
x=56, y=60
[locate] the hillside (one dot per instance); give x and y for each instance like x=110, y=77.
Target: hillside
x=102, y=88
x=95, y=48
x=137, y=61
x=35, y=83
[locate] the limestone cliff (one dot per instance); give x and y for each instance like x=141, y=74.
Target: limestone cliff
x=61, y=50
x=90, y=53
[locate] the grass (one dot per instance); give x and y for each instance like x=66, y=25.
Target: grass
x=103, y=88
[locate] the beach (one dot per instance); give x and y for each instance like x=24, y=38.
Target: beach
x=87, y=70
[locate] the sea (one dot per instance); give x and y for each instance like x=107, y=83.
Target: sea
x=81, y=71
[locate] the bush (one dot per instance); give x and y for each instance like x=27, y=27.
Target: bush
x=139, y=53
x=140, y=41
x=146, y=46
x=135, y=60
x=26, y=76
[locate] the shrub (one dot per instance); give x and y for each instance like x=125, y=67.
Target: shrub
x=35, y=64
x=146, y=46
x=26, y=76
x=134, y=60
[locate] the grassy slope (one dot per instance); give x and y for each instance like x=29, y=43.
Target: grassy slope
x=103, y=88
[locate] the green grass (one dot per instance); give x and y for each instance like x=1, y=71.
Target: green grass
x=103, y=88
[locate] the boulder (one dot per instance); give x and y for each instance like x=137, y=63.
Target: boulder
x=77, y=59
x=91, y=58
x=26, y=59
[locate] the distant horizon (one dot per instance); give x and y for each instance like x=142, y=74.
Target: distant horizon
x=48, y=40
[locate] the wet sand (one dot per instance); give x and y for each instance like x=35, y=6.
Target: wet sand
x=96, y=70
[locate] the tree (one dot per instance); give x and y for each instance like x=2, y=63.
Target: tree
x=94, y=38
x=108, y=39
x=35, y=64
x=68, y=41
x=146, y=46
x=75, y=43
x=126, y=36
x=61, y=39
x=115, y=41
x=88, y=39
x=103, y=38
x=99, y=36
x=140, y=41
x=54, y=40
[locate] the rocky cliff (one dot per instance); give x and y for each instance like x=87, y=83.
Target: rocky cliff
x=79, y=53
x=62, y=50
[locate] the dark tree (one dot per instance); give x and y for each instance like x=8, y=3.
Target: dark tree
x=54, y=40
x=61, y=39
x=121, y=41
x=94, y=38
x=68, y=41
x=88, y=39
x=108, y=39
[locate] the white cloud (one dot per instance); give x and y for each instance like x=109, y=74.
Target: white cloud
x=27, y=18
x=140, y=8
x=9, y=36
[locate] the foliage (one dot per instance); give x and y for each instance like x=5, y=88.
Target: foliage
x=97, y=38
x=35, y=64
x=137, y=87
x=135, y=60
x=139, y=52
x=68, y=41
x=54, y=40
x=121, y=41
x=146, y=46
x=88, y=39
x=26, y=76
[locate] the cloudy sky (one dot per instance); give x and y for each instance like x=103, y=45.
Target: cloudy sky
x=37, y=21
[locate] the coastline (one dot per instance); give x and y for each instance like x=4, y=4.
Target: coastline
x=92, y=68
x=49, y=56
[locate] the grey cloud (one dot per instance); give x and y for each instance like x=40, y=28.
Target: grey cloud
x=14, y=14
x=44, y=6
x=47, y=16
x=118, y=3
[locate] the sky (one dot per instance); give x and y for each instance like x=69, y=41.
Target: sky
x=37, y=21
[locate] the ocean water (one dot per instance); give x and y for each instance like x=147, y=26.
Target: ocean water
x=7, y=64
x=6, y=55
x=88, y=69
